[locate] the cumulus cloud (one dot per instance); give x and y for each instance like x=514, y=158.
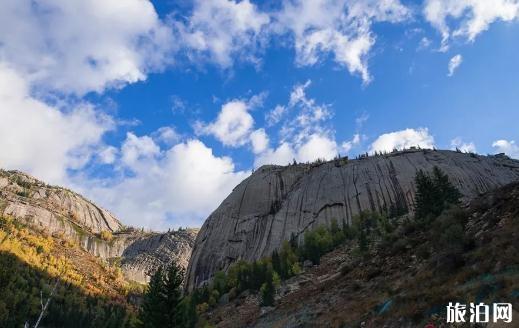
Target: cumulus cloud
x=259, y=141
x=454, y=63
x=176, y=186
x=233, y=125
x=403, y=139
x=219, y=30
x=508, y=147
x=466, y=147
x=43, y=140
x=340, y=28
x=282, y=155
x=315, y=147
x=82, y=46
x=137, y=149
x=467, y=18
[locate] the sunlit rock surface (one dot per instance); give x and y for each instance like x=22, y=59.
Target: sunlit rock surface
x=276, y=202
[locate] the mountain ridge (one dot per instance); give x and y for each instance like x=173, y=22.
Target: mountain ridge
x=277, y=203
x=64, y=213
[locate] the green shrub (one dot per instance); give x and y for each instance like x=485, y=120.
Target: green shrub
x=106, y=235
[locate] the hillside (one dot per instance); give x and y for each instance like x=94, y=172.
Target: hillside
x=278, y=203
x=62, y=213
x=89, y=291
x=403, y=280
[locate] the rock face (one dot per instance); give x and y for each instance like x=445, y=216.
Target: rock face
x=53, y=208
x=59, y=211
x=278, y=202
x=145, y=255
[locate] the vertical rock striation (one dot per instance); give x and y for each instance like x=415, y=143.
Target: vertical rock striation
x=278, y=202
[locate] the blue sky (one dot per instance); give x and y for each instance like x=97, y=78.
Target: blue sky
x=156, y=110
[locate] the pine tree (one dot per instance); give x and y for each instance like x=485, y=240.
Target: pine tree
x=449, y=193
x=189, y=316
x=161, y=302
x=153, y=310
x=425, y=202
x=173, y=295
x=267, y=290
x=276, y=262
x=434, y=194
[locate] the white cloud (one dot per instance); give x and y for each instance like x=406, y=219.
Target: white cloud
x=82, y=46
x=275, y=115
x=137, y=149
x=232, y=126
x=167, y=135
x=178, y=186
x=424, y=43
x=467, y=18
x=308, y=119
x=177, y=104
x=361, y=120
x=43, y=140
x=403, y=139
x=282, y=155
x=317, y=147
x=466, y=147
x=338, y=27
x=508, y=147
x=348, y=145
x=303, y=136
x=108, y=155
x=259, y=140
x=454, y=63
x=219, y=30
x=223, y=31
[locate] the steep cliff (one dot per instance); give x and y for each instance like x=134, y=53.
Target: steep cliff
x=278, y=202
x=403, y=283
x=145, y=255
x=63, y=213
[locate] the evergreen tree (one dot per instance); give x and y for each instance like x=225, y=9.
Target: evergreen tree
x=434, y=194
x=449, y=193
x=173, y=295
x=289, y=261
x=188, y=313
x=161, y=302
x=267, y=290
x=276, y=263
x=426, y=195
x=153, y=310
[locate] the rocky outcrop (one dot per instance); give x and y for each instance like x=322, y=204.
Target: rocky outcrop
x=142, y=257
x=52, y=208
x=58, y=211
x=278, y=202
